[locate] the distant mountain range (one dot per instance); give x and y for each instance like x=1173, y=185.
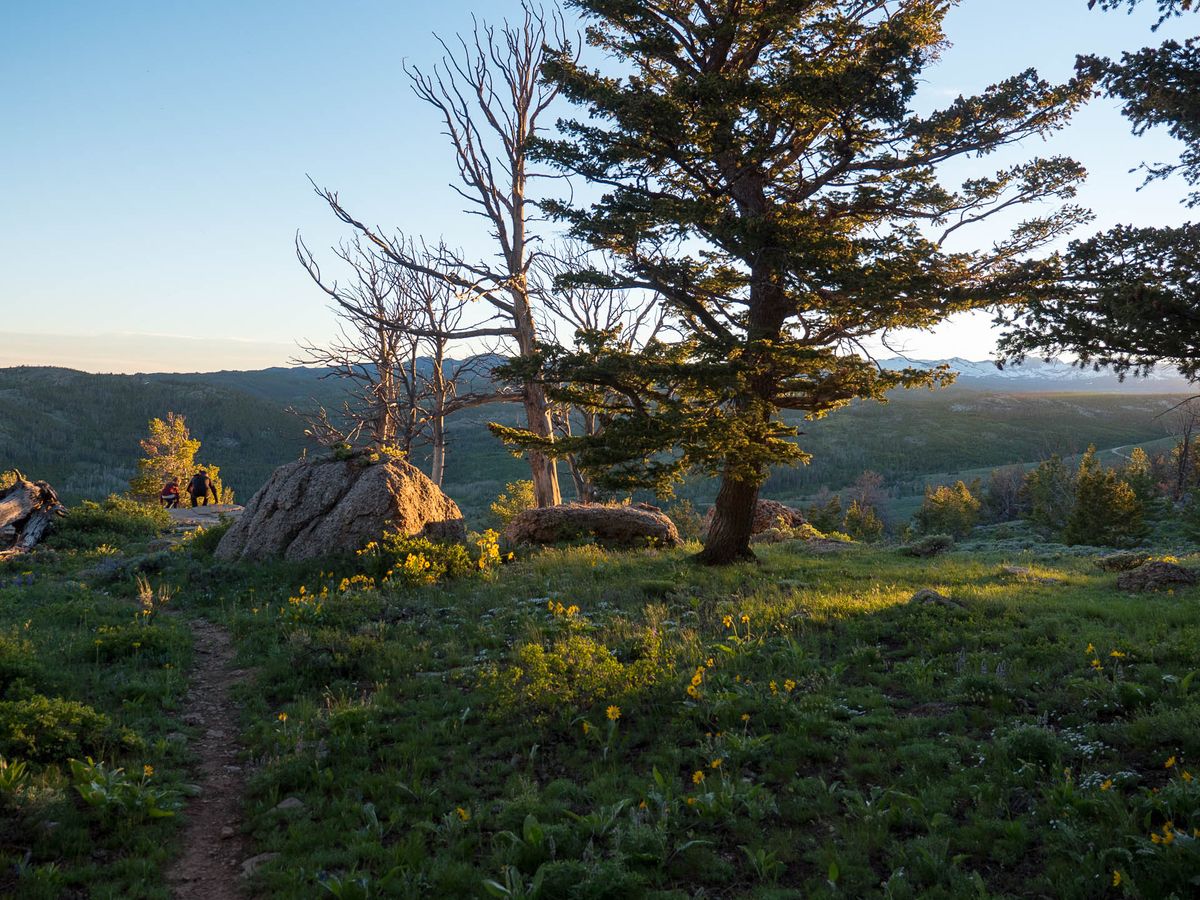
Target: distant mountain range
x=1044, y=375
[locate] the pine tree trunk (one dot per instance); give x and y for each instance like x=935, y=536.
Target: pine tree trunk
x=728, y=538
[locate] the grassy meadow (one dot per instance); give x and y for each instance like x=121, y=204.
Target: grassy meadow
x=579, y=723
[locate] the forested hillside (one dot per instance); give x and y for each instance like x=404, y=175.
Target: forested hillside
x=80, y=431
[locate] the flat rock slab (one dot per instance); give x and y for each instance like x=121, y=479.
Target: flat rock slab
x=188, y=519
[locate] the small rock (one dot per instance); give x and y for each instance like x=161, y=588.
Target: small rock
x=1156, y=576
x=233, y=769
x=289, y=804
x=176, y=737
x=227, y=832
x=927, y=596
x=1030, y=575
x=250, y=866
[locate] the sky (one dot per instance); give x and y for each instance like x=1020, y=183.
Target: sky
x=155, y=161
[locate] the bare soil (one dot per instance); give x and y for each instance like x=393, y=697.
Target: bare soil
x=209, y=866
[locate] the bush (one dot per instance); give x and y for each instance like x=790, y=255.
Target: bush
x=403, y=559
x=863, y=523
x=827, y=515
x=114, y=521
x=18, y=666
x=930, y=545
x=49, y=729
x=687, y=520
x=516, y=498
x=948, y=510
x=203, y=541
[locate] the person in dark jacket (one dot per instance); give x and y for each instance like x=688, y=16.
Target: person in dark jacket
x=200, y=487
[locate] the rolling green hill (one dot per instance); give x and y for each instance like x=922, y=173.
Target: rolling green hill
x=80, y=432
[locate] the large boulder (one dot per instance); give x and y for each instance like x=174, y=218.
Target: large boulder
x=768, y=514
x=616, y=526
x=1156, y=576
x=318, y=507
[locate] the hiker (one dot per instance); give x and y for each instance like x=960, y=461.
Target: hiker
x=169, y=496
x=200, y=487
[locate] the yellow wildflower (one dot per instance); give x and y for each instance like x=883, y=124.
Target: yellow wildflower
x=1091, y=648
x=715, y=764
x=1116, y=878
x=692, y=692
x=1155, y=838
x=613, y=713
x=587, y=726
x=774, y=687
x=1186, y=776
x=462, y=814
x=1170, y=763
x=698, y=677
x=710, y=662
x=282, y=717
x=1096, y=664
x=642, y=805
x=1117, y=654
x=691, y=801
x=1107, y=785
x=728, y=620
x=745, y=619
x=147, y=770
x=697, y=777
x=789, y=685
x=745, y=717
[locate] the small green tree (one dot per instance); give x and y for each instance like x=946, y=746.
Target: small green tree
x=1051, y=492
x=170, y=452
x=517, y=497
x=1106, y=512
x=1139, y=475
x=948, y=510
x=825, y=516
x=862, y=523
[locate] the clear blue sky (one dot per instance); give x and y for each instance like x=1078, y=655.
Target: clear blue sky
x=155, y=158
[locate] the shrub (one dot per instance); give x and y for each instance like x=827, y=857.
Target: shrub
x=930, y=545
x=948, y=510
x=117, y=796
x=687, y=520
x=114, y=521
x=517, y=497
x=863, y=523
x=402, y=559
x=827, y=515
x=18, y=666
x=576, y=672
x=203, y=541
x=1106, y=511
x=48, y=729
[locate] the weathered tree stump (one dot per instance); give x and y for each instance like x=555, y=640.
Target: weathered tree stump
x=27, y=512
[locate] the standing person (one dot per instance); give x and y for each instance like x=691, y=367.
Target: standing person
x=169, y=496
x=200, y=487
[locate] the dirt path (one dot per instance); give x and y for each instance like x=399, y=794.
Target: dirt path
x=209, y=866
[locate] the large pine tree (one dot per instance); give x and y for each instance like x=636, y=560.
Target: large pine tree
x=761, y=169
x=1129, y=298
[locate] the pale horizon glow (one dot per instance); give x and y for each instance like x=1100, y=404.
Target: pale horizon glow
x=158, y=155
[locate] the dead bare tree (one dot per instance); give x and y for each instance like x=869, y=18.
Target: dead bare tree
x=399, y=329
x=490, y=97
x=374, y=352
x=1183, y=421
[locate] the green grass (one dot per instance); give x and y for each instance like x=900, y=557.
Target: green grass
x=84, y=673
x=537, y=730
x=901, y=751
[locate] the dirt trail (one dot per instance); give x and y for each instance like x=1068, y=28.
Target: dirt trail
x=213, y=848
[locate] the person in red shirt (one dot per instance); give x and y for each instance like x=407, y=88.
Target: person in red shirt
x=169, y=496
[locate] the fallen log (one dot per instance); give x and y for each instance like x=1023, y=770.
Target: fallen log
x=27, y=512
